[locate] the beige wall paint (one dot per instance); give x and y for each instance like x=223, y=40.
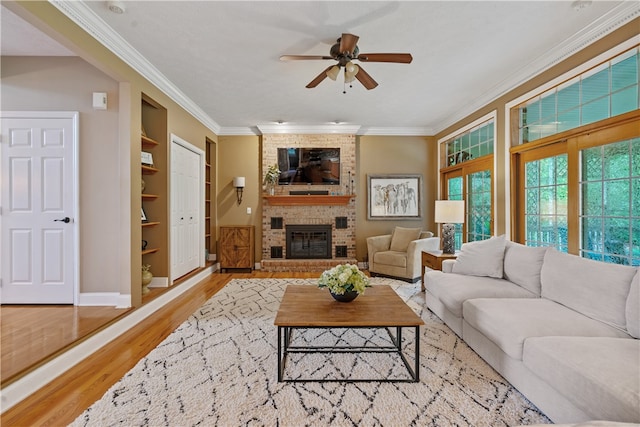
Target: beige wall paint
x=129, y=87
x=393, y=155
x=66, y=84
x=240, y=156
x=502, y=197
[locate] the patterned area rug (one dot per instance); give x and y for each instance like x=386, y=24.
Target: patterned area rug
x=219, y=368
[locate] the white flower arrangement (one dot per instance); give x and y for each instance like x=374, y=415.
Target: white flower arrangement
x=344, y=278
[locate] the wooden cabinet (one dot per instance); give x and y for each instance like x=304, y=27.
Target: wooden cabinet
x=433, y=260
x=237, y=246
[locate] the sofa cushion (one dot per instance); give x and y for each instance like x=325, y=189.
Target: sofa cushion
x=522, y=265
x=398, y=259
x=402, y=237
x=509, y=322
x=481, y=258
x=454, y=289
x=599, y=375
x=632, y=311
x=596, y=289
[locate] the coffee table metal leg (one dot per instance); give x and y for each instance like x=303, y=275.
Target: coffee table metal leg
x=417, y=355
x=279, y=353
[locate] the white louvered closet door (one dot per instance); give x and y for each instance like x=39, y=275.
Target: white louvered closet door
x=186, y=200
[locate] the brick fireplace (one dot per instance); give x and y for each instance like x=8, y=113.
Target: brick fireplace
x=331, y=207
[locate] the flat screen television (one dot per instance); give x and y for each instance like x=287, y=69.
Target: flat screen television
x=304, y=166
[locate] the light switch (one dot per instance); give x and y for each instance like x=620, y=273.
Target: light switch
x=99, y=100
x=248, y=211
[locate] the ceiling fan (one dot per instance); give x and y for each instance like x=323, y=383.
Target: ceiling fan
x=345, y=51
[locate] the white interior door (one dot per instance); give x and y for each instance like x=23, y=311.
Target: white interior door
x=187, y=203
x=39, y=206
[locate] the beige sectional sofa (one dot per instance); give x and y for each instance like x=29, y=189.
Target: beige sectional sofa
x=562, y=329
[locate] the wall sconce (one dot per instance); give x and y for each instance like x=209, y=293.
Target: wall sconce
x=238, y=182
x=449, y=213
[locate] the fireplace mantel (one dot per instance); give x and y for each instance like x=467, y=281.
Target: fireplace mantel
x=308, y=200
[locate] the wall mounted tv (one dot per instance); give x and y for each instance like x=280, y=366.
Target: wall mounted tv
x=305, y=166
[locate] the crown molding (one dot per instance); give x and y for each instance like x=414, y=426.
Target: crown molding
x=609, y=22
x=396, y=131
x=86, y=19
x=230, y=131
x=286, y=128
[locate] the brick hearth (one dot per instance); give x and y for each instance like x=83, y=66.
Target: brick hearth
x=303, y=265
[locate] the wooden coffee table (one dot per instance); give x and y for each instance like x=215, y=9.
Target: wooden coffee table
x=309, y=307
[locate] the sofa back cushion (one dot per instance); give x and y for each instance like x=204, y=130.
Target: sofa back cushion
x=402, y=237
x=481, y=258
x=633, y=307
x=522, y=265
x=596, y=289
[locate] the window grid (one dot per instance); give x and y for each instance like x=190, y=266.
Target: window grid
x=478, y=215
x=455, y=192
x=606, y=91
x=476, y=143
x=546, y=215
x=610, y=208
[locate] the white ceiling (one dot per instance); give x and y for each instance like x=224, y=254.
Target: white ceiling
x=220, y=59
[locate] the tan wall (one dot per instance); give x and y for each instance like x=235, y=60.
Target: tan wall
x=240, y=156
x=393, y=155
x=131, y=86
x=66, y=84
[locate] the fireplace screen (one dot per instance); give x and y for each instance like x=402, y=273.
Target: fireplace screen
x=308, y=241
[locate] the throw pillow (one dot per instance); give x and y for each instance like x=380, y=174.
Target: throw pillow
x=481, y=258
x=402, y=237
x=597, y=289
x=522, y=265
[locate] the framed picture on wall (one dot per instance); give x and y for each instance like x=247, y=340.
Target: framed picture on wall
x=394, y=196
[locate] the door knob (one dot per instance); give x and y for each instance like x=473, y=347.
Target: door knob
x=66, y=220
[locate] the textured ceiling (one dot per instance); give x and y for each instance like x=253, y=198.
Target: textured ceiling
x=224, y=56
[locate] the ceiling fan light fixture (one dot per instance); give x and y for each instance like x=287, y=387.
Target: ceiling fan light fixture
x=351, y=68
x=333, y=72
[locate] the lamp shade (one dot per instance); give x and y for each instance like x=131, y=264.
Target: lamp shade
x=333, y=72
x=238, y=181
x=449, y=211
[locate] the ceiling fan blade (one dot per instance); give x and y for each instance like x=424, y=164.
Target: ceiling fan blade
x=366, y=80
x=323, y=75
x=302, y=57
x=348, y=43
x=404, y=58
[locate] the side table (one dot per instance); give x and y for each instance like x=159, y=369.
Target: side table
x=433, y=260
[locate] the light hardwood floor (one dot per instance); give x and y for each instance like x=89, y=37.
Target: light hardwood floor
x=64, y=399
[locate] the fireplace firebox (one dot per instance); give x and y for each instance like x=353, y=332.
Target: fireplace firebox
x=308, y=241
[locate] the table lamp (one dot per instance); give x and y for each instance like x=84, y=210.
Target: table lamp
x=449, y=213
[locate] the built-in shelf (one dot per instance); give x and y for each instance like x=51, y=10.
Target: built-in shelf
x=308, y=200
x=146, y=196
x=148, y=170
x=149, y=251
x=150, y=224
x=148, y=142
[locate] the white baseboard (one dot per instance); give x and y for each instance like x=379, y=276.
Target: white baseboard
x=159, y=282
x=15, y=392
x=115, y=299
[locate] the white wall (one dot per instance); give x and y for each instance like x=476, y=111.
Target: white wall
x=67, y=83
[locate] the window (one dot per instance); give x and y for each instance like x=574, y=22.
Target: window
x=546, y=199
x=605, y=91
x=468, y=176
x=610, y=211
x=473, y=144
